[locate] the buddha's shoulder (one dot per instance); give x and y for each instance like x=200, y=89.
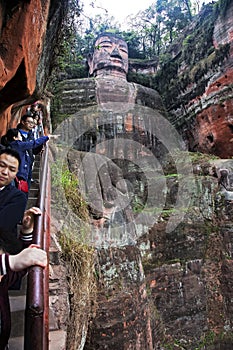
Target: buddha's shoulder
x=148, y=97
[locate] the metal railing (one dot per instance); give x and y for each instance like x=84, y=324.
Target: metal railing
x=37, y=299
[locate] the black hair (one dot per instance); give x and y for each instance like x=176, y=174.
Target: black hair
x=9, y=137
x=24, y=117
x=11, y=152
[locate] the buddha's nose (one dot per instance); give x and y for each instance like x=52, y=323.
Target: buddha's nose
x=115, y=53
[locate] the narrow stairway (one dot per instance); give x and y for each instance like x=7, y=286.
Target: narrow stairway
x=57, y=337
x=18, y=297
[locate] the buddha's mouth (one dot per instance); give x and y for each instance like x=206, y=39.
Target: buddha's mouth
x=115, y=59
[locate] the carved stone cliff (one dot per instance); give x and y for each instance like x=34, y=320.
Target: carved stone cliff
x=171, y=289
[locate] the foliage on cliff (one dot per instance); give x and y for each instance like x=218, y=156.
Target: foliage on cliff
x=188, y=61
x=167, y=32
x=78, y=256
x=148, y=34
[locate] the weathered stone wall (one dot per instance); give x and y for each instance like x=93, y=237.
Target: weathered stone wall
x=75, y=94
x=188, y=272
x=72, y=95
x=206, y=120
x=212, y=126
x=184, y=277
x=123, y=316
x=170, y=290
x=20, y=54
x=199, y=100
x=29, y=33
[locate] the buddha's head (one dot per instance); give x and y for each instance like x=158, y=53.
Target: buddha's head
x=110, y=56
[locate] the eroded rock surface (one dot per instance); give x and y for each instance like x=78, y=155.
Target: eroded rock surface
x=29, y=33
x=184, y=277
x=206, y=119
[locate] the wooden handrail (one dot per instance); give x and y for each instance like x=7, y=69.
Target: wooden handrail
x=37, y=305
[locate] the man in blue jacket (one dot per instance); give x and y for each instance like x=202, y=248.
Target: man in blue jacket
x=12, y=205
x=25, y=127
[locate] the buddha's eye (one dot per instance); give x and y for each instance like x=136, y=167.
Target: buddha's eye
x=123, y=49
x=106, y=46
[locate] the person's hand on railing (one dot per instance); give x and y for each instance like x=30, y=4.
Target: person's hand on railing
x=28, y=219
x=51, y=137
x=30, y=256
x=28, y=224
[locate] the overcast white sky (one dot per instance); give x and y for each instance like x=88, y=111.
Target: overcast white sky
x=120, y=9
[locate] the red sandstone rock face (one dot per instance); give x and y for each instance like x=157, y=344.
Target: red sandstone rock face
x=215, y=129
x=214, y=123
x=21, y=45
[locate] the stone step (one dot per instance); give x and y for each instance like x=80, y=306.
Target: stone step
x=17, y=325
x=36, y=171
x=34, y=192
x=31, y=202
x=57, y=340
x=34, y=186
x=16, y=343
x=17, y=305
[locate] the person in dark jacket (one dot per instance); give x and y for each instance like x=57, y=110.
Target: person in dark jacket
x=12, y=206
x=12, y=269
x=13, y=139
x=12, y=211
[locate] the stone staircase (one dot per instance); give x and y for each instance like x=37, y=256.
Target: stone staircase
x=57, y=337
x=18, y=297
x=75, y=94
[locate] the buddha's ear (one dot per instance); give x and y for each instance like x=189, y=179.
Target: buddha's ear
x=90, y=63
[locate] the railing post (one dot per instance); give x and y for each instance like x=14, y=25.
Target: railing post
x=34, y=310
x=46, y=271
x=36, y=313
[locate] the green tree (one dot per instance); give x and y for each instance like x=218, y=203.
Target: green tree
x=174, y=17
x=160, y=24
x=134, y=43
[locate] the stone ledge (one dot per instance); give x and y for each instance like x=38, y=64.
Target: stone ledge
x=57, y=340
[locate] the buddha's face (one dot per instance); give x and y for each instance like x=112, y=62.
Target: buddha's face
x=110, y=53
